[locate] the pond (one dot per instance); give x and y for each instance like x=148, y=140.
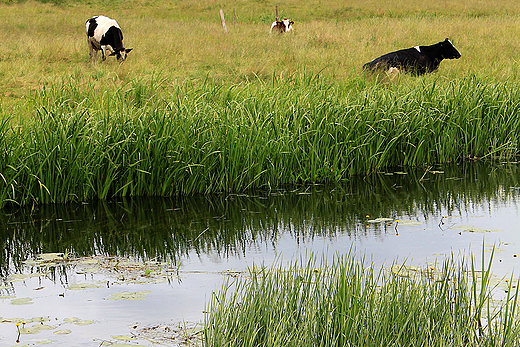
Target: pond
x=139, y=271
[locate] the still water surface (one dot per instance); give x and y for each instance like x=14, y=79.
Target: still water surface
x=164, y=257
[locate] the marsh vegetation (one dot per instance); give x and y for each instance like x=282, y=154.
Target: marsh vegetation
x=350, y=303
x=196, y=110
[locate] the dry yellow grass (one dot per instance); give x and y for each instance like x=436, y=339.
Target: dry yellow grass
x=180, y=41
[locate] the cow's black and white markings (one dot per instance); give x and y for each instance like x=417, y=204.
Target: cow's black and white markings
x=104, y=34
x=417, y=60
x=282, y=26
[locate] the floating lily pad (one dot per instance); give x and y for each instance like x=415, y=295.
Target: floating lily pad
x=129, y=295
x=84, y=322
x=82, y=286
x=45, y=341
x=36, y=320
x=472, y=229
x=50, y=256
x=123, y=337
x=90, y=261
x=380, y=220
x=62, y=332
x=129, y=263
x=88, y=270
x=146, y=280
x=7, y=297
x=31, y=262
x=21, y=301
x=409, y=222
x=35, y=329
x=71, y=320
x=21, y=277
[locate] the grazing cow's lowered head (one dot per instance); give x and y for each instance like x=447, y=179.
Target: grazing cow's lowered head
x=104, y=34
x=417, y=60
x=282, y=26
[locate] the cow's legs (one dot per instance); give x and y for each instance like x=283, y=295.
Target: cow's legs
x=92, y=51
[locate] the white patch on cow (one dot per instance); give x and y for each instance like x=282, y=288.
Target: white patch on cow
x=418, y=48
x=392, y=72
x=103, y=24
x=287, y=23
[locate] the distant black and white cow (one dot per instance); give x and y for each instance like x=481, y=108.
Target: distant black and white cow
x=282, y=26
x=417, y=60
x=105, y=34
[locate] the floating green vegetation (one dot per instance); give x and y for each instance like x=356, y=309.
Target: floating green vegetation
x=62, y=332
x=131, y=296
x=352, y=304
x=83, y=286
x=21, y=301
x=77, y=321
x=35, y=329
x=122, y=269
x=473, y=229
x=181, y=334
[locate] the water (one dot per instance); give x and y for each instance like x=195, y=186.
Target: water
x=175, y=252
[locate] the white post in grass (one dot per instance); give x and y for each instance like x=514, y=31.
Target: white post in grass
x=223, y=20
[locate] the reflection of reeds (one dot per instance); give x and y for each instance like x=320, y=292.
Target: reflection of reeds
x=167, y=229
x=142, y=141
x=351, y=304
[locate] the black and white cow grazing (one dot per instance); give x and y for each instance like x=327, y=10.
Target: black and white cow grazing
x=417, y=60
x=105, y=34
x=282, y=26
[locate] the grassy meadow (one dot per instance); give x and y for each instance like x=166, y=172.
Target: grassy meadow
x=197, y=110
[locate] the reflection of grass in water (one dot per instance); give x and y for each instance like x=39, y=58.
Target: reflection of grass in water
x=353, y=304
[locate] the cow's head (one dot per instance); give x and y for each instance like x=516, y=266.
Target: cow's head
x=288, y=24
x=121, y=55
x=448, y=50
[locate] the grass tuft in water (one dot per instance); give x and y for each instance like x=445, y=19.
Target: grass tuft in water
x=349, y=303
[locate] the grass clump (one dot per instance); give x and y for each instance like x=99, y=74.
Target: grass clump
x=145, y=139
x=352, y=304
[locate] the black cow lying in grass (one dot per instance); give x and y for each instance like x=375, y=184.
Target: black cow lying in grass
x=417, y=60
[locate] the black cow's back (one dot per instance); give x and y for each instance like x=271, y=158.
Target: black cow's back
x=409, y=59
x=417, y=60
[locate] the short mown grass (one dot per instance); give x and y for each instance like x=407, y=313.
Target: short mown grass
x=351, y=303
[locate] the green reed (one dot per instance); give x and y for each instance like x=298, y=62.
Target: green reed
x=149, y=137
x=350, y=303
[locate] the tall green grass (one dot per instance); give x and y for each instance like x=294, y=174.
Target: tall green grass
x=146, y=139
x=350, y=303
